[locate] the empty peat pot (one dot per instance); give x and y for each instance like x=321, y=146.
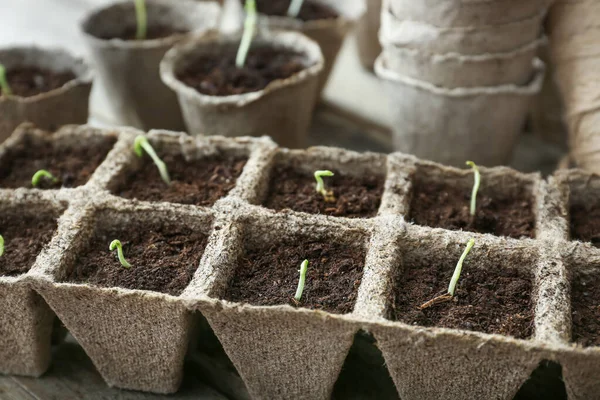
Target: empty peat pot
x=274, y=94
x=129, y=68
x=49, y=87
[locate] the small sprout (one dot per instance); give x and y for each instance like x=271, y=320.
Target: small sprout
x=455, y=276
x=116, y=244
x=141, y=17
x=303, y=269
x=294, y=8
x=476, y=183
x=1, y=245
x=142, y=143
x=320, y=188
x=42, y=173
x=249, y=29
x=4, y=86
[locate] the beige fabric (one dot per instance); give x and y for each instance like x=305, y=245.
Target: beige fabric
x=283, y=110
x=129, y=70
x=367, y=34
x=65, y=105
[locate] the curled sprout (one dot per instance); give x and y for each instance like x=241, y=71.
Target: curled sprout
x=42, y=173
x=4, y=86
x=294, y=8
x=476, y=183
x=1, y=245
x=301, y=282
x=116, y=244
x=141, y=16
x=249, y=29
x=320, y=188
x=141, y=143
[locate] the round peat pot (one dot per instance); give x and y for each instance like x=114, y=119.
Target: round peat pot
x=454, y=70
x=454, y=125
x=467, y=13
x=129, y=68
x=367, y=31
x=51, y=88
x=283, y=109
x=465, y=40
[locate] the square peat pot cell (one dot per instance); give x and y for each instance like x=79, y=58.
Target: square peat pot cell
x=441, y=196
x=200, y=174
x=163, y=252
x=493, y=294
x=354, y=191
x=585, y=306
x=267, y=272
x=71, y=155
x=583, y=190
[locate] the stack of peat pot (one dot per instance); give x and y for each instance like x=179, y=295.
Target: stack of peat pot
x=461, y=75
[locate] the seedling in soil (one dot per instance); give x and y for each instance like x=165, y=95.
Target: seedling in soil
x=327, y=194
x=455, y=276
x=4, y=86
x=140, y=144
x=42, y=174
x=303, y=269
x=476, y=183
x=249, y=30
x=141, y=17
x=1, y=245
x=294, y=8
x=116, y=244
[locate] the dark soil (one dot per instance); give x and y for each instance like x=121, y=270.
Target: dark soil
x=31, y=81
x=163, y=259
x=497, y=300
x=585, y=223
x=73, y=165
x=295, y=190
x=585, y=305
x=154, y=32
x=217, y=74
x=24, y=237
x=309, y=11
x=269, y=276
x=443, y=206
x=200, y=182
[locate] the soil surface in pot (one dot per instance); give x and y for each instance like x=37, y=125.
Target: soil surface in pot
x=163, y=259
x=496, y=300
x=73, y=164
x=310, y=10
x=200, y=182
x=217, y=74
x=585, y=223
x=154, y=32
x=295, y=190
x=24, y=236
x=269, y=276
x=442, y=206
x=585, y=305
x=31, y=81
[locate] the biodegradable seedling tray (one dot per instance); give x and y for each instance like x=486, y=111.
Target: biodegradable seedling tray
x=358, y=268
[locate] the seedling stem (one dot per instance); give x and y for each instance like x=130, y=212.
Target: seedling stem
x=141, y=17
x=116, y=244
x=476, y=183
x=4, y=86
x=1, y=245
x=42, y=173
x=320, y=188
x=294, y=8
x=142, y=143
x=249, y=29
x=303, y=269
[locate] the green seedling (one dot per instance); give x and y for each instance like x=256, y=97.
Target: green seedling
x=116, y=244
x=42, y=173
x=302, y=281
x=4, y=86
x=294, y=8
x=476, y=183
x=453, y=281
x=320, y=188
x=140, y=144
x=1, y=245
x=141, y=17
x=249, y=30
